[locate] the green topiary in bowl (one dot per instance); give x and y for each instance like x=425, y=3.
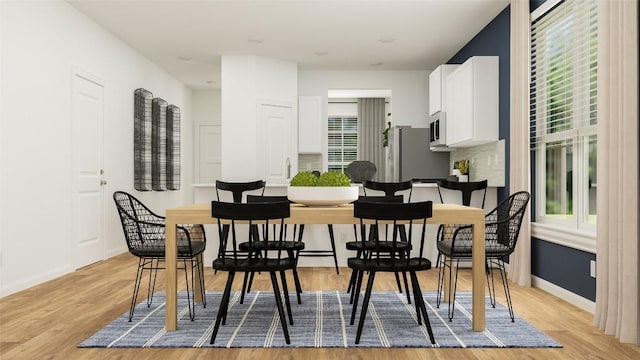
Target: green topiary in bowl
x=333, y=178
x=304, y=178
x=330, y=189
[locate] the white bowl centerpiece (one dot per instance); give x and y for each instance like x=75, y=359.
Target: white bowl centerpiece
x=332, y=188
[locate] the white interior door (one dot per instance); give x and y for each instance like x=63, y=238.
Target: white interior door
x=87, y=164
x=209, y=153
x=275, y=139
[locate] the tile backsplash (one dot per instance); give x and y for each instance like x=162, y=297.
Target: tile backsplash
x=309, y=162
x=486, y=162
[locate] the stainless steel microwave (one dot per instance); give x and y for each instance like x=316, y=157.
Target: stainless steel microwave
x=437, y=129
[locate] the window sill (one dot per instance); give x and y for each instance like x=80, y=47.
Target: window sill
x=580, y=240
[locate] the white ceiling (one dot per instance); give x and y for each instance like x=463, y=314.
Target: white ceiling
x=187, y=38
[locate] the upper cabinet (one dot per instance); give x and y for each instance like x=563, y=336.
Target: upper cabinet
x=472, y=102
x=437, y=87
x=309, y=124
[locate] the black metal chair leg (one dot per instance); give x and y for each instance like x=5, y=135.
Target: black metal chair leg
x=356, y=294
x=507, y=292
x=453, y=286
x=202, y=288
x=352, y=279
x=296, y=281
x=440, y=289
x=365, y=305
x=191, y=301
x=153, y=270
x=285, y=290
x=224, y=303
x=136, y=287
x=423, y=306
x=296, y=278
x=276, y=293
x=245, y=281
x=398, y=282
x=333, y=248
x=406, y=287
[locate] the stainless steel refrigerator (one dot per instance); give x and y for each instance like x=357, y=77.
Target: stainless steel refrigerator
x=409, y=157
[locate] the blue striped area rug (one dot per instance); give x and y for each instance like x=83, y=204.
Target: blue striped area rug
x=322, y=320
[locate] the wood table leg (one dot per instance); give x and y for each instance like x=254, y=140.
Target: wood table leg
x=478, y=265
x=171, y=259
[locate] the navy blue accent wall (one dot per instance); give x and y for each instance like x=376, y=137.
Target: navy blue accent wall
x=493, y=40
x=563, y=266
x=534, y=4
x=560, y=265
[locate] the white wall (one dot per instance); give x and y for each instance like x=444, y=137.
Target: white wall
x=205, y=106
x=245, y=80
x=409, y=92
x=41, y=43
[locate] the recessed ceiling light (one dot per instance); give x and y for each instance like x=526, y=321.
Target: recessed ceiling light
x=386, y=40
x=255, y=41
x=321, y=53
x=376, y=63
x=184, y=58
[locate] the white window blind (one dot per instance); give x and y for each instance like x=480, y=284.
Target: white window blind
x=563, y=73
x=342, y=142
x=563, y=117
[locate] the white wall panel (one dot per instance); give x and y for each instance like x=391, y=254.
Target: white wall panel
x=41, y=43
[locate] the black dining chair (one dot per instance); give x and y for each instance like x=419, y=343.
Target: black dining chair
x=398, y=215
x=272, y=260
x=383, y=244
x=465, y=191
x=239, y=191
x=145, y=233
x=390, y=190
x=502, y=226
x=292, y=243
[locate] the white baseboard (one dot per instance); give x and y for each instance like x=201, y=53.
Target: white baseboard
x=117, y=251
x=564, y=294
x=22, y=284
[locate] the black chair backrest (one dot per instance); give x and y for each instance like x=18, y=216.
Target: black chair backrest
x=254, y=213
x=393, y=211
x=502, y=224
x=238, y=188
x=399, y=214
x=266, y=198
x=360, y=171
x=389, y=188
x=466, y=188
x=386, y=199
x=144, y=230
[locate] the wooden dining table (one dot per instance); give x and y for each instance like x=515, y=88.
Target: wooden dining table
x=300, y=214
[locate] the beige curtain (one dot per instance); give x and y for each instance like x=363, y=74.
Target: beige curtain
x=371, y=120
x=617, y=235
x=519, y=164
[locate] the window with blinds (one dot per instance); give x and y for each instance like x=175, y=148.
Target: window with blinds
x=563, y=111
x=342, y=142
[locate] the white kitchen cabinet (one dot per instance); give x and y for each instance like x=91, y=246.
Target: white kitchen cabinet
x=437, y=87
x=472, y=102
x=309, y=124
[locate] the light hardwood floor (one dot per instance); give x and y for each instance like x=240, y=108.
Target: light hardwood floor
x=48, y=321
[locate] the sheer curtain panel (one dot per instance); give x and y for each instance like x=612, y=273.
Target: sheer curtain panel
x=371, y=117
x=617, y=234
